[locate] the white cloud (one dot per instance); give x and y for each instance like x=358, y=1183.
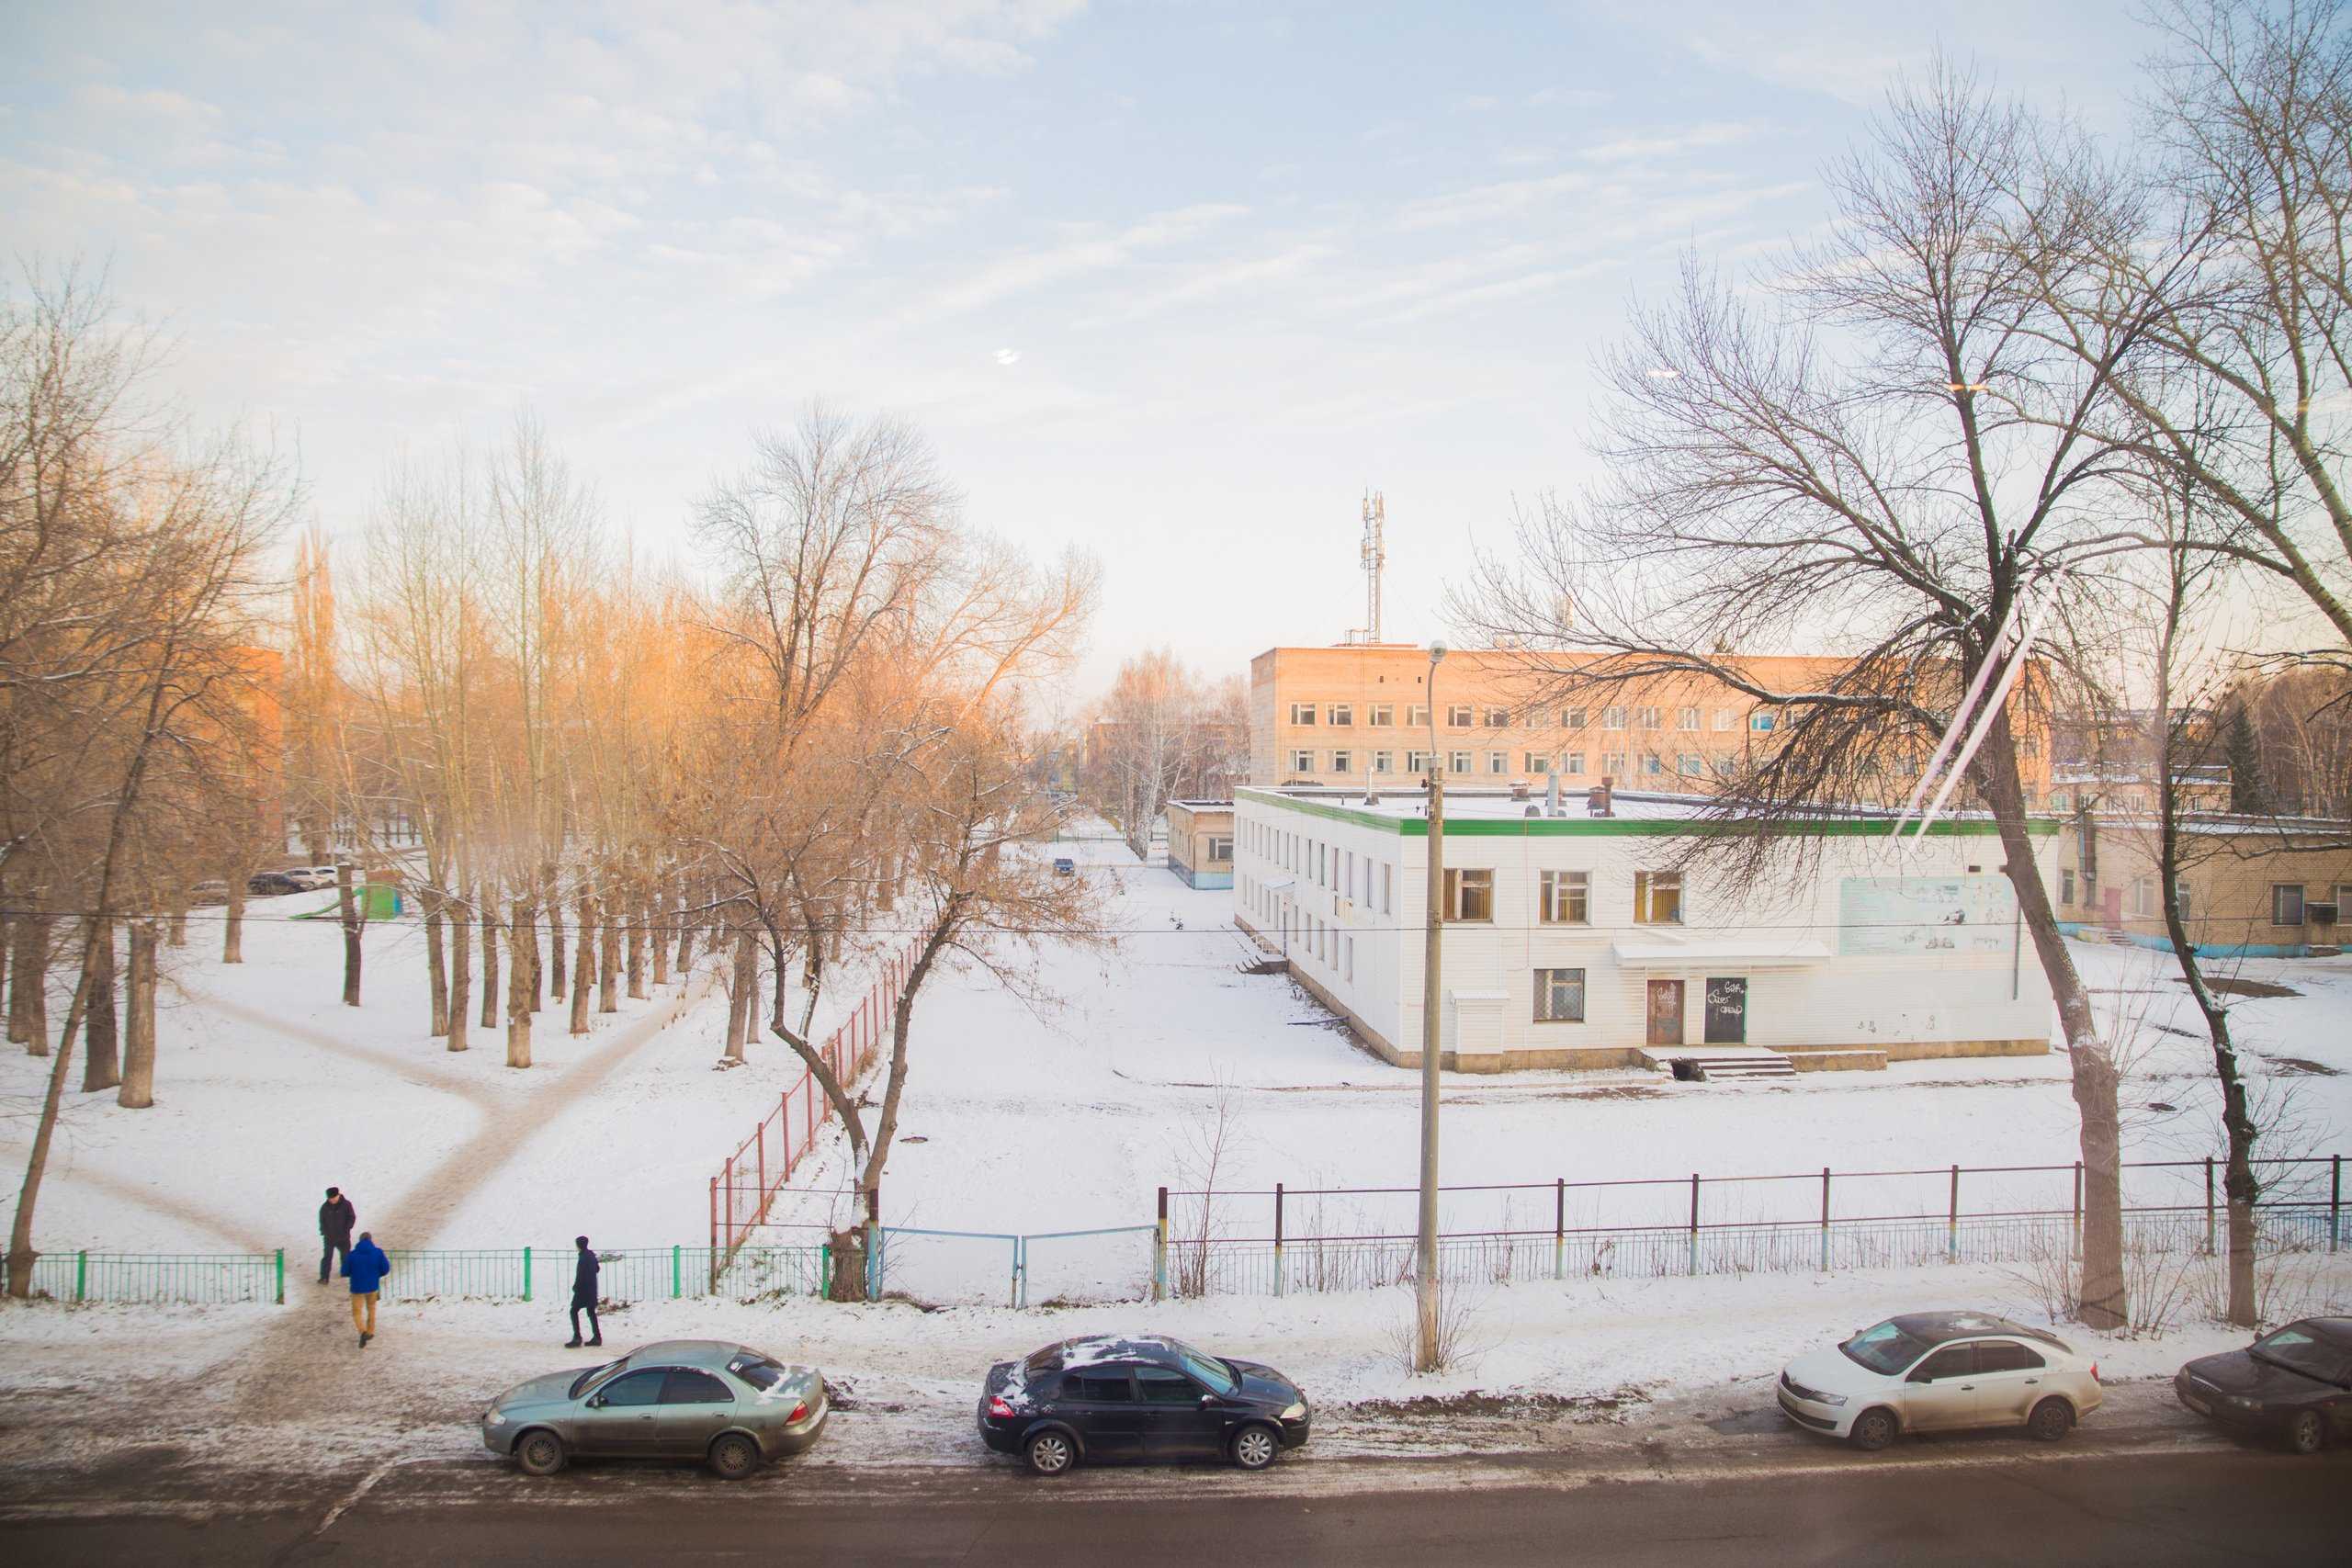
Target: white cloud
x=1486, y=203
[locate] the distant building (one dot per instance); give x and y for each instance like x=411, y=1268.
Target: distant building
x=1582, y=941
x=2253, y=886
x=1200, y=841
x=1363, y=714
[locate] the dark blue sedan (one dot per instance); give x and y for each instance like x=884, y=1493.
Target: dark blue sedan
x=1143, y=1396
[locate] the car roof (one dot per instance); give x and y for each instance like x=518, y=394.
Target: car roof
x=1940, y=1327
x=1092, y=1349
x=2339, y=1328
x=689, y=1353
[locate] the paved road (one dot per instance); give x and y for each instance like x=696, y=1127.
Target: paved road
x=2147, y=1509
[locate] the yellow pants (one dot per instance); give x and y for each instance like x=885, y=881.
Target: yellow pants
x=363, y=1312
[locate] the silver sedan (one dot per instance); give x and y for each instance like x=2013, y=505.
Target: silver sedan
x=729, y=1405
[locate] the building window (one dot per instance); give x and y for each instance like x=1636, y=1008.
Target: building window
x=1416, y=714
x=1538, y=763
x=1573, y=763
x=1658, y=897
x=1559, y=996
x=1613, y=764
x=2180, y=893
x=2066, y=886
x=1350, y=948
x=1220, y=849
x=1383, y=762
x=1646, y=718
x=1302, y=713
x=1572, y=718
x=1458, y=716
x=1690, y=764
x=1760, y=722
x=1470, y=897
x=1726, y=719
x=1612, y=719
x=2144, y=897
x=1343, y=762
x=1384, y=715
x=1343, y=715
x=1497, y=717
x=1387, y=888
x=1498, y=762
x=1565, y=898
x=1652, y=763
x=1458, y=762
x=2286, y=903
x=1302, y=762
x=2059, y=800
x=1416, y=761
x=1686, y=718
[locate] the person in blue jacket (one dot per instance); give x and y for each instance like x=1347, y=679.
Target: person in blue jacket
x=365, y=1266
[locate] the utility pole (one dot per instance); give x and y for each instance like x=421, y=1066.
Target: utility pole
x=1425, y=1292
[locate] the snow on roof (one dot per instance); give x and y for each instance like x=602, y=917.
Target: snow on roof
x=1500, y=806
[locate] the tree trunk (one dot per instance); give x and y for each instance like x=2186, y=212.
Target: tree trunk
x=585, y=973
x=658, y=938
x=177, y=931
x=877, y=1152
x=462, y=973
x=537, y=979
x=685, y=932
x=28, y=987
x=522, y=981
x=347, y=911
x=637, y=953
x=739, y=999
x=556, y=978
x=437, y=964
x=485, y=901
x=101, y=1031
x=139, y=1035
x=233, y=925
x=608, y=977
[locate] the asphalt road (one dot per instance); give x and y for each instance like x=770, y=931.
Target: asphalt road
x=2144, y=1509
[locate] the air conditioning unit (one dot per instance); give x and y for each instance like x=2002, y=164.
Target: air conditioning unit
x=2323, y=914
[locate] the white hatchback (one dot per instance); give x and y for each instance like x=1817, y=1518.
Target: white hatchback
x=1941, y=1371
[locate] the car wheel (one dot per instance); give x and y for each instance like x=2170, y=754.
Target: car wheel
x=1874, y=1429
x=733, y=1456
x=2052, y=1419
x=1254, y=1448
x=1050, y=1453
x=541, y=1452
x=2307, y=1433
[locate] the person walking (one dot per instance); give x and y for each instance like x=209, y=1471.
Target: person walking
x=584, y=1296
x=336, y=1217
x=365, y=1266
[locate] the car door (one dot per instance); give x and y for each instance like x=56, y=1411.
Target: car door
x=621, y=1417
x=1101, y=1402
x=696, y=1407
x=1177, y=1425
x=2009, y=1377
x=1940, y=1392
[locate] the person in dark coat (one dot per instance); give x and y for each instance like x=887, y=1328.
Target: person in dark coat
x=365, y=1266
x=584, y=1296
x=336, y=1216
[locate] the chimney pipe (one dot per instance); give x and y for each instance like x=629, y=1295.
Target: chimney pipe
x=1600, y=800
x=1519, y=789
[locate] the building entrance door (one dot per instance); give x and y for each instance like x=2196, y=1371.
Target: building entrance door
x=1665, y=1012
x=1726, y=1009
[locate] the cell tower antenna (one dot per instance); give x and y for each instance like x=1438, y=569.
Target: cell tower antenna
x=1375, y=558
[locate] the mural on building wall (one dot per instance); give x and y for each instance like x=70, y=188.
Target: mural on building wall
x=1907, y=915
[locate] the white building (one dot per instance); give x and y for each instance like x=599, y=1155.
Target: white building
x=1574, y=940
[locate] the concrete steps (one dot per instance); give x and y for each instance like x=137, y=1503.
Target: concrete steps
x=1720, y=1064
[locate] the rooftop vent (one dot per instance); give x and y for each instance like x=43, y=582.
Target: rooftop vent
x=1600, y=800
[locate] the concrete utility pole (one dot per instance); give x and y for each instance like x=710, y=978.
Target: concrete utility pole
x=1425, y=1294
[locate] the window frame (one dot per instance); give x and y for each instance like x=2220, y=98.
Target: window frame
x=1550, y=983
x=1462, y=881
x=1461, y=716
x=1381, y=715
x=2303, y=905
x=1339, y=716
x=1564, y=897
x=1648, y=886
x=1302, y=716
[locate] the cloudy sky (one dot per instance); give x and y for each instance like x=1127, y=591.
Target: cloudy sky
x=1175, y=282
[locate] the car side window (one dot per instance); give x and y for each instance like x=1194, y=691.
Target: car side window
x=637, y=1388
x=1101, y=1384
x=1165, y=1385
x=1952, y=1361
x=685, y=1386
x=2000, y=1355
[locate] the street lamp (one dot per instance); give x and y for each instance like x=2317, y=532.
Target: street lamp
x=1424, y=1297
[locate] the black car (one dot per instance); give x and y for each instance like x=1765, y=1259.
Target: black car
x=2294, y=1383
x=271, y=884
x=1138, y=1397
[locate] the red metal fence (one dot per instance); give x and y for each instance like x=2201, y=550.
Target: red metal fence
x=745, y=1187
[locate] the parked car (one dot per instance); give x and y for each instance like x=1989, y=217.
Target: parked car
x=309, y=879
x=729, y=1405
x=2294, y=1383
x=1065, y=866
x=1138, y=1397
x=207, y=893
x=271, y=884
x=1941, y=1371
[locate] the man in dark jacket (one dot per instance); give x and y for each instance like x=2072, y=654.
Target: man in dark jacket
x=365, y=1266
x=336, y=1217
x=584, y=1295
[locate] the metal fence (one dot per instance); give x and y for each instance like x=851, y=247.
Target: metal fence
x=1044, y=1268
x=198, y=1277
x=624, y=1274
x=1316, y=1239
x=745, y=1187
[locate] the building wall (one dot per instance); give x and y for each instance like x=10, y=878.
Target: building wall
x=1356, y=936
x=1362, y=678
x=1193, y=826
x=2230, y=871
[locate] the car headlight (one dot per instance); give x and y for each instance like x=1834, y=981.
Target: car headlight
x=1832, y=1400
x=1296, y=1412
x=494, y=1417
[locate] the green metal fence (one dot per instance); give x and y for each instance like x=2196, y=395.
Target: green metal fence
x=203, y=1278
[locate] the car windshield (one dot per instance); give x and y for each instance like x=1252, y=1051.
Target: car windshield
x=1888, y=1347
x=592, y=1376
x=759, y=1371
x=2299, y=1349
x=1209, y=1369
